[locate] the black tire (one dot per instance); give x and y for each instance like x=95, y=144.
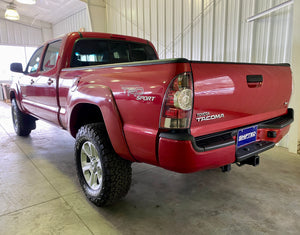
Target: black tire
x=23, y=123
x=106, y=177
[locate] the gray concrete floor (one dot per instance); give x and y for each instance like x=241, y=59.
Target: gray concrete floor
x=39, y=193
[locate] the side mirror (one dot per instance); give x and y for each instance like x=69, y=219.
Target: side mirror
x=16, y=67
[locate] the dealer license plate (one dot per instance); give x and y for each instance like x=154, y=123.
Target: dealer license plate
x=246, y=136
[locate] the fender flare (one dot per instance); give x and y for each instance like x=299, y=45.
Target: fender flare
x=103, y=98
x=14, y=92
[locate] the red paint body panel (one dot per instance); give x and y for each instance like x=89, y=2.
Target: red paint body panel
x=180, y=156
x=223, y=88
x=220, y=90
x=140, y=119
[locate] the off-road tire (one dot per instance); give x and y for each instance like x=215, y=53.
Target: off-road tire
x=116, y=172
x=23, y=123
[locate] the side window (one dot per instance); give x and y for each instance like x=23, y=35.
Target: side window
x=51, y=56
x=90, y=52
x=34, y=62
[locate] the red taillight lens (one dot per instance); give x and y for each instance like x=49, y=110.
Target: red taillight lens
x=177, y=106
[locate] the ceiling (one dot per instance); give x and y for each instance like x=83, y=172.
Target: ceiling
x=50, y=11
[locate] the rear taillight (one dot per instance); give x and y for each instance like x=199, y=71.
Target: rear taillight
x=177, y=106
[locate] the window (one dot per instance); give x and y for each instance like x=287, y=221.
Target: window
x=120, y=52
x=141, y=52
x=51, y=56
x=88, y=52
x=34, y=62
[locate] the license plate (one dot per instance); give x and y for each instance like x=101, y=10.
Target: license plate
x=246, y=136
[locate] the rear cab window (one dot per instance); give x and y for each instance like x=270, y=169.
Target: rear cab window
x=87, y=52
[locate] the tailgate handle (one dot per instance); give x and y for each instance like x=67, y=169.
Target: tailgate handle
x=254, y=80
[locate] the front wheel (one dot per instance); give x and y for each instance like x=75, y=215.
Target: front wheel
x=23, y=123
x=104, y=176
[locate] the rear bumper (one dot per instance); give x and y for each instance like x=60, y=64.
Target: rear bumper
x=184, y=153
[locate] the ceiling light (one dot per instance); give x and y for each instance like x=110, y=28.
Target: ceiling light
x=30, y=2
x=11, y=12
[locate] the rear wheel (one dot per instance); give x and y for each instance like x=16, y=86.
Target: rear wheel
x=104, y=176
x=23, y=123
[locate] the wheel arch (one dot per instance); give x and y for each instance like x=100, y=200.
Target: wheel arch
x=83, y=114
x=13, y=94
x=101, y=110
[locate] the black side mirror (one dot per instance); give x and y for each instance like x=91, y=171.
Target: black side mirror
x=16, y=67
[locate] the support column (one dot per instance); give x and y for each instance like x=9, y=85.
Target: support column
x=97, y=12
x=294, y=134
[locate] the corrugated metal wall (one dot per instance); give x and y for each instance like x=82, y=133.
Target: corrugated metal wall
x=13, y=33
x=206, y=30
x=72, y=23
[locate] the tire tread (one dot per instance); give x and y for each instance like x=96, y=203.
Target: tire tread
x=26, y=123
x=116, y=170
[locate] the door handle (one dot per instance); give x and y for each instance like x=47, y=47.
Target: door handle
x=31, y=81
x=254, y=81
x=50, y=81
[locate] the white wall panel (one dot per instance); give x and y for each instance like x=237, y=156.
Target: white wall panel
x=140, y=18
x=178, y=28
x=206, y=30
x=246, y=31
x=232, y=30
x=187, y=25
x=15, y=33
x=72, y=23
x=169, y=31
x=154, y=23
x=197, y=30
x=161, y=28
x=134, y=17
x=220, y=34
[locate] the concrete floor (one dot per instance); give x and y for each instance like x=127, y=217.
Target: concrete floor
x=39, y=193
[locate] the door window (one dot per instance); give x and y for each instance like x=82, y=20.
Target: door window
x=51, y=56
x=34, y=62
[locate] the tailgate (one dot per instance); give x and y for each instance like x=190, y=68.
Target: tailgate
x=228, y=95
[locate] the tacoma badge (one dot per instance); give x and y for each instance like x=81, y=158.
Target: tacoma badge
x=206, y=116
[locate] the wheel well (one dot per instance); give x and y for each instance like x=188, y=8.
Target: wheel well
x=12, y=95
x=83, y=114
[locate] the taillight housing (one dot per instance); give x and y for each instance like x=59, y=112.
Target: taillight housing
x=177, y=106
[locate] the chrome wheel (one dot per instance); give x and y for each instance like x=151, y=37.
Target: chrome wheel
x=91, y=165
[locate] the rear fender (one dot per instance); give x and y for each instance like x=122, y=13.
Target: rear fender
x=102, y=97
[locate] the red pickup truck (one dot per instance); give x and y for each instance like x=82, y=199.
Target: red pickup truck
x=124, y=105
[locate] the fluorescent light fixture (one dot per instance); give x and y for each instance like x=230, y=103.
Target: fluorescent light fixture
x=11, y=12
x=30, y=2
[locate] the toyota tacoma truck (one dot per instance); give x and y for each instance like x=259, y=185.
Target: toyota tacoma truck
x=124, y=105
